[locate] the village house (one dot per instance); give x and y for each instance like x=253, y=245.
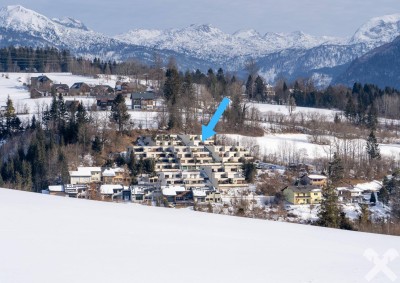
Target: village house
x=60, y=89
x=313, y=179
x=80, y=177
x=303, y=194
x=105, y=102
x=35, y=93
x=125, y=87
x=205, y=195
x=80, y=89
x=116, y=176
x=177, y=195
x=85, y=175
x=102, y=90
x=143, y=101
x=42, y=84
x=199, y=195
x=76, y=191
x=111, y=191
x=349, y=194
x=138, y=193
x=213, y=196
x=56, y=190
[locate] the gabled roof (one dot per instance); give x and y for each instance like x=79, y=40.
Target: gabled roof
x=79, y=85
x=43, y=79
x=106, y=98
x=108, y=173
x=143, y=95
x=109, y=189
x=60, y=86
x=80, y=173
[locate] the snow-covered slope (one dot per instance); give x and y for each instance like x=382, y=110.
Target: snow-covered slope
x=55, y=239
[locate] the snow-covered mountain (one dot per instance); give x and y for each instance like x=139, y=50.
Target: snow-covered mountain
x=287, y=55
x=208, y=41
x=378, y=31
x=380, y=66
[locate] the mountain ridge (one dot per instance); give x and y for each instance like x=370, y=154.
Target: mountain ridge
x=202, y=46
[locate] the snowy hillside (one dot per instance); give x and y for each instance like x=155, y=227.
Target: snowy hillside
x=54, y=239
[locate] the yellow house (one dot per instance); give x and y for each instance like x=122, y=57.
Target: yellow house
x=314, y=179
x=303, y=194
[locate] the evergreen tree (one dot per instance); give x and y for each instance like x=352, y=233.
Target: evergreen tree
x=172, y=86
x=33, y=122
x=335, y=169
x=259, y=88
x=249, y=171
x=395, y=202
x=350, y=109
x=383, y=195
x=329, y=211
x=97, y=145
x=373, y=147
x=372, y=198
x=119, y=113
x=336, y=120
x=364, y=215
x=26, y=176
x=345, y=223
x=63, y=165
x=11, y=123
x=250, y=87
x=149, y=166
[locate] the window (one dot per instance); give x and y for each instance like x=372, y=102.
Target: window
x=315, y=194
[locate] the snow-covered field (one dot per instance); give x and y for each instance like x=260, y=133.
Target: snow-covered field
x=265, y=108
x=54, y=239
x=13, y=86
x=287, y=145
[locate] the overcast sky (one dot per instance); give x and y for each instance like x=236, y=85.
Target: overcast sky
x=316, y=17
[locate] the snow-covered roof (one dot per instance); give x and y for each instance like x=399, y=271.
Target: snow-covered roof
x=172, y=190
x=199, y=193
x=56, y=188
x=109, y=189
x=137, y=190
x=371, y=186
x=81, y=173
x=91, y=169
x=342, y=188
x=315, y=176
x=109, y=173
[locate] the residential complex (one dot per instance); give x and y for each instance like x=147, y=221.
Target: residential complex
x=185, y=170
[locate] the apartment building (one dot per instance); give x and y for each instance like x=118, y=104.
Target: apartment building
x=179, y=159
x=225, y=176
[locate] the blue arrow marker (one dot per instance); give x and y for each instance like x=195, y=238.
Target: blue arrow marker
x=208, y=131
